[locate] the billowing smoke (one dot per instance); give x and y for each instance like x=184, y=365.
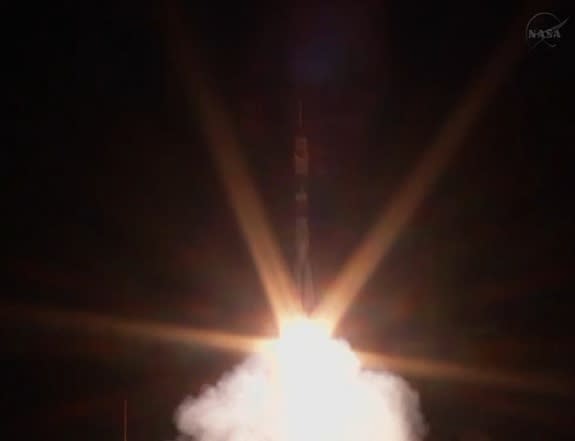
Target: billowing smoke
x=304, y=387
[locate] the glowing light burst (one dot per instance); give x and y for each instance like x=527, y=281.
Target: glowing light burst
x=304, y=386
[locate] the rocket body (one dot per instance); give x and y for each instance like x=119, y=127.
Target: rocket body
x=302, y=268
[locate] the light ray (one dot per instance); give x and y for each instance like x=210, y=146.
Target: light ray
x=441, y=370
x=249, y=210
x=420, y=368
x=88, y=322
x=417, y=185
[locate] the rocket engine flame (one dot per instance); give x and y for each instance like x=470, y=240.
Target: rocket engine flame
x=304, y=386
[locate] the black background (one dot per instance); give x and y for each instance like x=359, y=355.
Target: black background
x=114, y=205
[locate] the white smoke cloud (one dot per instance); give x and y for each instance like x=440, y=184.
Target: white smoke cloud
x=303, y=390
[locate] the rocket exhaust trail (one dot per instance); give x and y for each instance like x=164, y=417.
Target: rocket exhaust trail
x=302, y=267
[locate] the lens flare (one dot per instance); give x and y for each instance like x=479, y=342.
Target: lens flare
x=304, y=386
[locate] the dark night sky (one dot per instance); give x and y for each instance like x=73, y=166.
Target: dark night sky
x=114, y=205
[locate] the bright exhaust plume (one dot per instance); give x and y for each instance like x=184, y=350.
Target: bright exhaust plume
x=304, y=386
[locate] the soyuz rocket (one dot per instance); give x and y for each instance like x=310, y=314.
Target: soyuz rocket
x=302, y=267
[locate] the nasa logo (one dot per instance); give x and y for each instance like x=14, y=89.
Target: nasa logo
x=544, y=27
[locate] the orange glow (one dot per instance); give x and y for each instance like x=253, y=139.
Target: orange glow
x=248, y=208
x=426, y=368
x=87, y=322
x=417, y=185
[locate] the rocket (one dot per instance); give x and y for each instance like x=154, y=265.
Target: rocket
x=302, y=267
